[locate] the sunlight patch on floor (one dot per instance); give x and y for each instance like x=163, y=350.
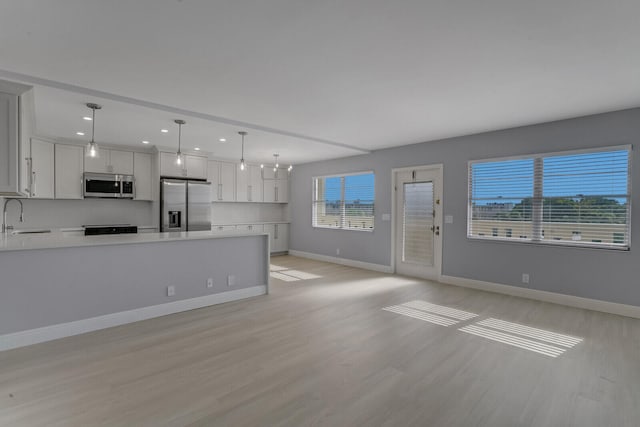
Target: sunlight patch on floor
x=283, y=277
x=440, y=309
x=287, y=275
x=421, y=315
x=540, y=341
x=527, y=331
x=538, y=347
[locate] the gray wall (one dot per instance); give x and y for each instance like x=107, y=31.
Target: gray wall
x=592, y=273
x=51, y=286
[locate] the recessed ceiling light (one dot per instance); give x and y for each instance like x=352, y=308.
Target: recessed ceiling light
x=145, y=142
x=197, y=148
x=164, y=130
x=80, y=133
x=87, y=118
x=223, y=140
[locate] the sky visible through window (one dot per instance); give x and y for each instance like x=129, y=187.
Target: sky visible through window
x=570, y=176
x=357, y=187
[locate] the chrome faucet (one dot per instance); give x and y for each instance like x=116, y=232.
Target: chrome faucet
x=5, y=227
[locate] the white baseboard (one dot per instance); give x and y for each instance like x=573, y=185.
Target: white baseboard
x=61, y=330
x=343, y=261
x=562, y=299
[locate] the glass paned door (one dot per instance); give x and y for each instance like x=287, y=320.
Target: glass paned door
x=418, y=219
x=417, y=233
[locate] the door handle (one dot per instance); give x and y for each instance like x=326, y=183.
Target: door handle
x=33, y=183
x=436, y=229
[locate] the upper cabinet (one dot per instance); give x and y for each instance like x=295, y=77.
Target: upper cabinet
x=15, y=130
x=69, y=165
x=110, y=161
x=249, y=184
x=142, y=172
x=276, y=185
x=222, y=176
x=42, y=169
x=196, y=166
x=192, y=167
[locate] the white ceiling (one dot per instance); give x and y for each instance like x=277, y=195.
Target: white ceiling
x=307, y=78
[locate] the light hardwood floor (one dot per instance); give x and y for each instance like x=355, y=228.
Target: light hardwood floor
x=322, y=352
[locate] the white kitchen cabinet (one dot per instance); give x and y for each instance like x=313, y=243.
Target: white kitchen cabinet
x=142, y=174
x=223, y=228
x=278, y=237
x=121, y=162
x=168, y=166
x=249, y=184
x=222, y=176
x=251, y=228
x=69, y=165
x=16, y=124
x=42, y=169
x=9, y=143
x=276, y=187
x=192, y=166
x=99, y=164
x=196, y=166
x=282, y=194
x=110, y=161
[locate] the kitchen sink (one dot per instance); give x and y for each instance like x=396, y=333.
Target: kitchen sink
x=31, y=231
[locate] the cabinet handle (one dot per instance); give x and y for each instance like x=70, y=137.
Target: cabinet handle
x=219, y=191
x=276, y=189
x=28, y=189
x=33, y=183
x=275, y=234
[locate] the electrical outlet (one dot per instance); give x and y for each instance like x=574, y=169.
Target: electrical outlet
x=231, y=280
x=210, y=282
x=171, y=291
x=525, y=277
x=337, y=251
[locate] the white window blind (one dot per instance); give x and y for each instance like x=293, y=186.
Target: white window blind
x=344, y=202
x=580, y=198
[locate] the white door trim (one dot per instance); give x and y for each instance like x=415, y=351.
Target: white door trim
x=438, y=167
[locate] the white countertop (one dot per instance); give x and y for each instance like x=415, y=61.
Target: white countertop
x=57, y=239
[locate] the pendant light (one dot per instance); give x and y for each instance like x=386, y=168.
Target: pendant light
x=276, y=165
x=179, y=158
x=242, y=165
x=92, y=147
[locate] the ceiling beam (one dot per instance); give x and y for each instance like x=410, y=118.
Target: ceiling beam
x=24, y=78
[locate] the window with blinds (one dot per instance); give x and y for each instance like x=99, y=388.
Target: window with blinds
x=578, y=198
x=344, y=201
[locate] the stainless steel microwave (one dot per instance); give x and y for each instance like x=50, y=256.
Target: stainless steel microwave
x=106, y=185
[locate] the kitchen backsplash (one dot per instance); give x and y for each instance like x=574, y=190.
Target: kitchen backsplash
x=74, y=213
x=234, y=213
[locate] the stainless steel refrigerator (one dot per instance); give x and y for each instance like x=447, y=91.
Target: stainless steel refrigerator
x=185, y=205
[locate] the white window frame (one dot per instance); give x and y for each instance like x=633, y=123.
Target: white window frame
x=342, y=191
x=537, y=193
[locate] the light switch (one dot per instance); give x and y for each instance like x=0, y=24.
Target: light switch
x=448, y=219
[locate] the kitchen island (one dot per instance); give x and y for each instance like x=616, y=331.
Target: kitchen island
x=53, y=286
